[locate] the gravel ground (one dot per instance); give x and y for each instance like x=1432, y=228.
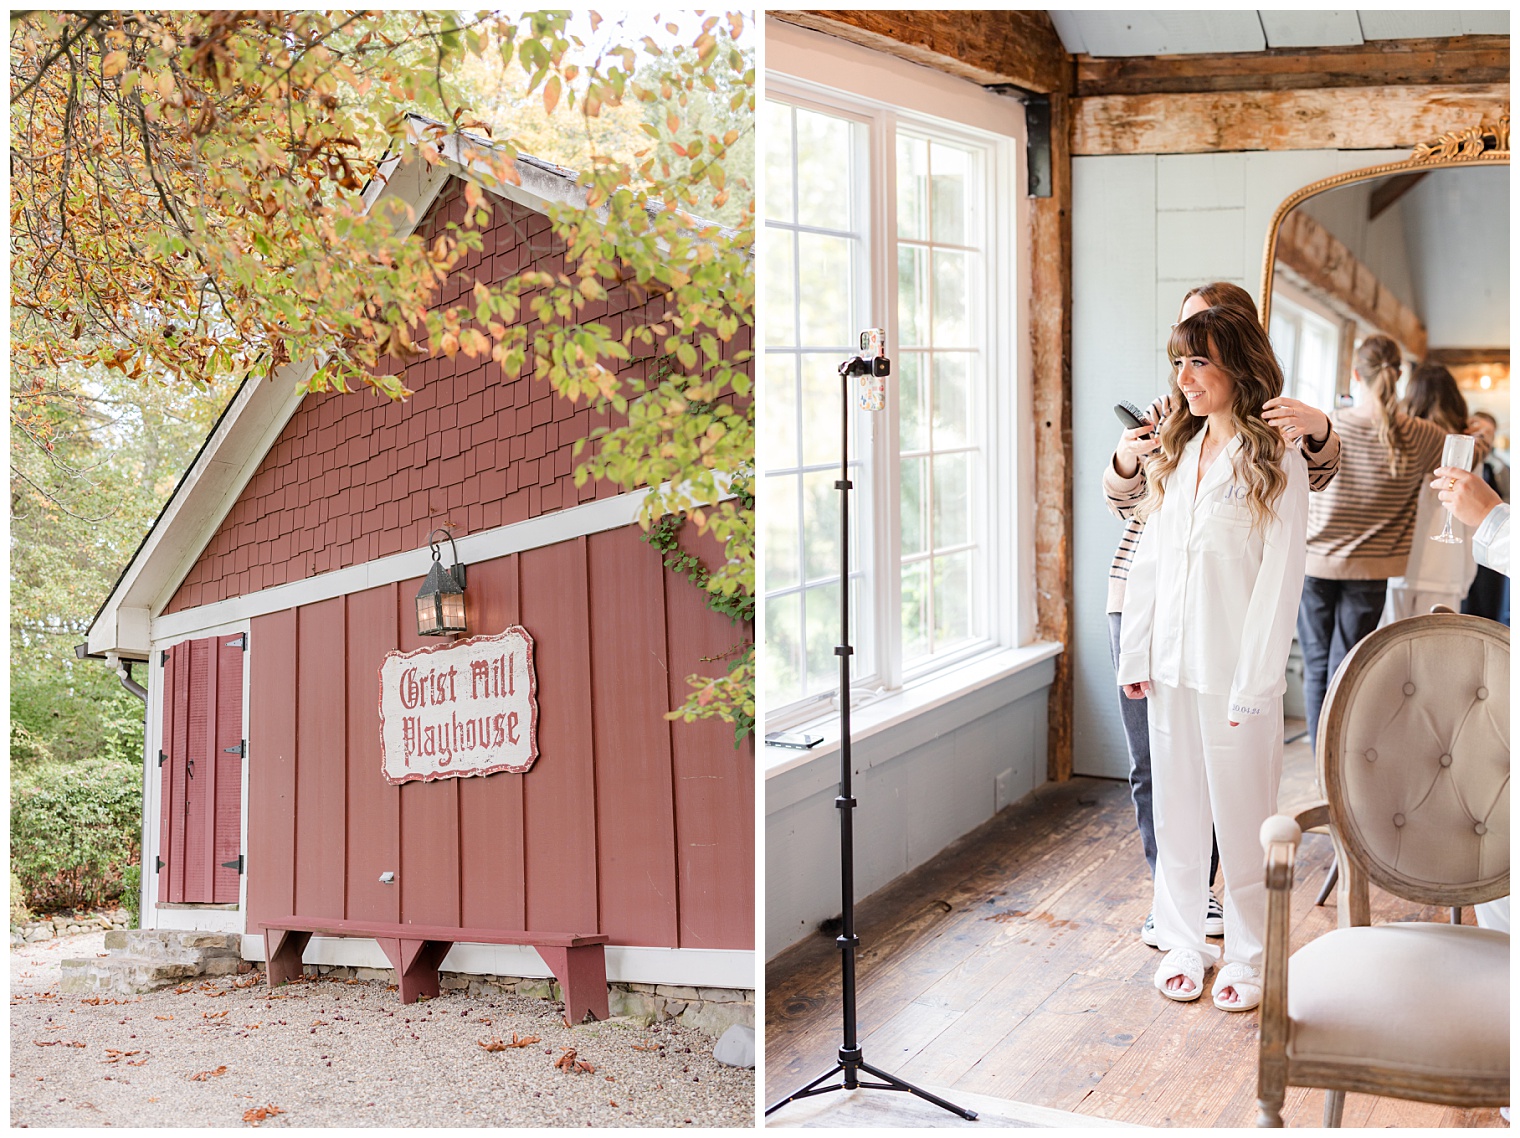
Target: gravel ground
x=341, y=1053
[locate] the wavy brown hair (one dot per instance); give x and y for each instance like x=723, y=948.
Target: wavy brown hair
x=1378, y=363
x=1235, y=343
x=1432, y=393
x=1222, y=294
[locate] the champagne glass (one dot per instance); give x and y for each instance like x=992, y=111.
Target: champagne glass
x=1457, y=452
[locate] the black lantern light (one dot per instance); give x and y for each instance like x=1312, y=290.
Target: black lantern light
x=440, y=601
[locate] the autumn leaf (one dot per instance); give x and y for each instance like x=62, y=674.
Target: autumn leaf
x=202, y=1076
x=492, y=1045
x=259, y=1114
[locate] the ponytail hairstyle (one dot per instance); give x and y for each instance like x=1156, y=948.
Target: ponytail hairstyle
x=1432, y=393
x=1233, y=340
x=1378, y=364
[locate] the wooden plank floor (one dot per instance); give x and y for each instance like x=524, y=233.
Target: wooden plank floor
x=1010, y=966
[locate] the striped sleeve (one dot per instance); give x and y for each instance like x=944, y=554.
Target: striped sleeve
x=1323, y=463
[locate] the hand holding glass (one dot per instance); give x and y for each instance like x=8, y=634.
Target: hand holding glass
x=1457, y=452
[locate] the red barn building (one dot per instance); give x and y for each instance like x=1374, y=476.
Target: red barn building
x=283, y=572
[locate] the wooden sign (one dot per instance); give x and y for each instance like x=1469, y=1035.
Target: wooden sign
x=453, y=710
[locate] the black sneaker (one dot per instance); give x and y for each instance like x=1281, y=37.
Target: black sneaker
x=1213, y=922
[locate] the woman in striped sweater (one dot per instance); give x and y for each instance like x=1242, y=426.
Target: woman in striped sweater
x=1362, y=527
x=1124, y=488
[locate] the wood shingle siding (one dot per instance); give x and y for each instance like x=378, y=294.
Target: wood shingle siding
x=355, y=477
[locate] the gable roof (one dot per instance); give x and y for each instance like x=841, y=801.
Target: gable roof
x=252, y=422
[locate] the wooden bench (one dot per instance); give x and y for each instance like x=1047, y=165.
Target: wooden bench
x=577, y=960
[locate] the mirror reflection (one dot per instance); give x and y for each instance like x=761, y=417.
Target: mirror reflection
x=1421, y=256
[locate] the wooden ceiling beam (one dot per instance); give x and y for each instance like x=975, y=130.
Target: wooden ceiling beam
x=1391, y=191
x=1020, y=48
x=1380, y=63
x=1370, y=118
x=1463, y=357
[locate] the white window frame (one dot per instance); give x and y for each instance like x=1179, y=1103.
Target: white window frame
x=1294, y=303
x=828, y=75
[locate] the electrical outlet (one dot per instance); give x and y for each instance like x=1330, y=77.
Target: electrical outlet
x=1002, y=791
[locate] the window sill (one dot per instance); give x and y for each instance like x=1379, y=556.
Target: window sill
x=910, y=701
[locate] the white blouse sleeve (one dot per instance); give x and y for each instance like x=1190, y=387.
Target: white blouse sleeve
x=1272, y=612
x=1139, y=609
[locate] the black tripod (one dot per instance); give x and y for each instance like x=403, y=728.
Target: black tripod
x=851, y=1061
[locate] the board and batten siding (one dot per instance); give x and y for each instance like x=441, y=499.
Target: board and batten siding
x=627, y=824
x=1145, y=229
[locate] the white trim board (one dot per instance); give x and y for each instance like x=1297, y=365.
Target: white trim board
x=628, y=964
x=548, y=529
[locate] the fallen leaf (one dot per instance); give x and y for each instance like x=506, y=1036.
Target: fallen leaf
x=259, y=1113
x=183, y=988
x=202, y=1076
x=46, y=1042
x=115, y=1056
x=525, y=1041
x=138, y=1063
x=214, y=1015
x=491, y=1045
x=163, y=1017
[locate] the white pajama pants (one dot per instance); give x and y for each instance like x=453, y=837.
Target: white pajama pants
x=1208, y=775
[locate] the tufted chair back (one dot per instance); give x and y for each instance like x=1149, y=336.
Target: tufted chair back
x=1413, y=757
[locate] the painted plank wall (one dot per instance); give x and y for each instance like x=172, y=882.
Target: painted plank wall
x=627, y=824
x=1145, y=229
x=920, y=786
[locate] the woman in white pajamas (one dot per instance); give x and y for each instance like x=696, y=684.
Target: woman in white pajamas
x=1208, y=620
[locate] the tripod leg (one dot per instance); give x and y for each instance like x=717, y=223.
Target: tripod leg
x=904, y=1085
x=807, y=1090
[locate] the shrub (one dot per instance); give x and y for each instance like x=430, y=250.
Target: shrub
x=20, y=914
x=131, y=894
x=74, y=829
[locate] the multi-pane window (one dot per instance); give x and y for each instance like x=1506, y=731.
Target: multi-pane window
x=939, y=414
x=1308, y=347
x=814, y=299
x=875, y=216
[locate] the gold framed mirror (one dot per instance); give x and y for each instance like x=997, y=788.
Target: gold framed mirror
x=1416, y=249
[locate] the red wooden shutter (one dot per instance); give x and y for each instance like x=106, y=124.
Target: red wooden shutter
x=171, y=806
x=200, y=828
x=227, y=809
x=200, y=770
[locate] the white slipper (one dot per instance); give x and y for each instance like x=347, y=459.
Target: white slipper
x=1181, y=962
x=1247, y=984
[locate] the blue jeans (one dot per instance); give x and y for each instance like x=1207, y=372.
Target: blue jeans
x=1332, y=617
x=1132, y=714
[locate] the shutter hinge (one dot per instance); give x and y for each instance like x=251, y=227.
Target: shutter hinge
x=237, y=865
x=238, y=642
x=159, y=865
x=163, y=658
x=162, y=758
x=241, y=750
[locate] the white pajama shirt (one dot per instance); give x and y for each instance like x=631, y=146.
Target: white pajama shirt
x=1209, y=616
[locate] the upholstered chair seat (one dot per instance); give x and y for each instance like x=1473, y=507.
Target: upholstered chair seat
x=1416, y=999
x=1413, y=755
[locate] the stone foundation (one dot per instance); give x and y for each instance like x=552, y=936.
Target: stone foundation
x=709, y=1010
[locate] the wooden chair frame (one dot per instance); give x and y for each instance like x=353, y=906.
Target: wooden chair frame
x=1277, y=1070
